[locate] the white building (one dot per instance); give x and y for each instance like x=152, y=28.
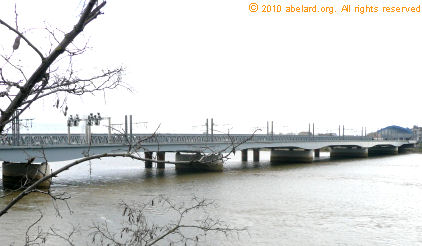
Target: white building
x=417, y=133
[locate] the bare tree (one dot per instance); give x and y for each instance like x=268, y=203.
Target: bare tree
x=189, y=223
x=18, y=90
x=181, y=223
x=54, y=74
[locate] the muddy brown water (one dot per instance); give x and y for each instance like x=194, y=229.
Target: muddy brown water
x=371, y=201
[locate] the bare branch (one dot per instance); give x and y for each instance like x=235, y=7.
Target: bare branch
x=88, y=14
x=139, y=230
x=28, y=240
x=22, y=36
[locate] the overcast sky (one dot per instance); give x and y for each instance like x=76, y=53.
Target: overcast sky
x=191, y=60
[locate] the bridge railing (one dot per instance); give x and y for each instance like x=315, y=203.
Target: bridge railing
x=121, y=139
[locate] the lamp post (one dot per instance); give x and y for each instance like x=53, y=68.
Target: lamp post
x=212, y=129
x=206, y=126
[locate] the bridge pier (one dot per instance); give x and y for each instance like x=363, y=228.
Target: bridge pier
x=348, y=152
x=148, y=155
x=291, y=155
x=161, y=156
x=256, y=155
x=198, y=162
x=383, y=150
x=244, y=154
x=316, y=152
x=19, y=175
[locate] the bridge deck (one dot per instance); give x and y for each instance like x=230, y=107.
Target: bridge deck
x=59, y=147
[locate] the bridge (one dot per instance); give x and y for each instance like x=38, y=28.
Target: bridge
x=193, y=151
x=60, y=147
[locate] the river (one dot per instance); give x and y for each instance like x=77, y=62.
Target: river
x=371, y=201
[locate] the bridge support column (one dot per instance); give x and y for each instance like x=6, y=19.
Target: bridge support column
x=291, y=155
x=18, y=175
x=198, y=162
x=244, y=154
x=161, y=156
x=348, y=152
x=256, y=155
x=383, y=150
x=148, y=155
x=316, y=152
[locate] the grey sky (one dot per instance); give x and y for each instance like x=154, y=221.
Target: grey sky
x=191, y=60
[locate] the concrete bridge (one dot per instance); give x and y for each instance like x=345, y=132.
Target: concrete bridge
x=60, y=147
x=191, y=149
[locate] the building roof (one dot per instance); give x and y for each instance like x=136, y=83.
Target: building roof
x=397, y=129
